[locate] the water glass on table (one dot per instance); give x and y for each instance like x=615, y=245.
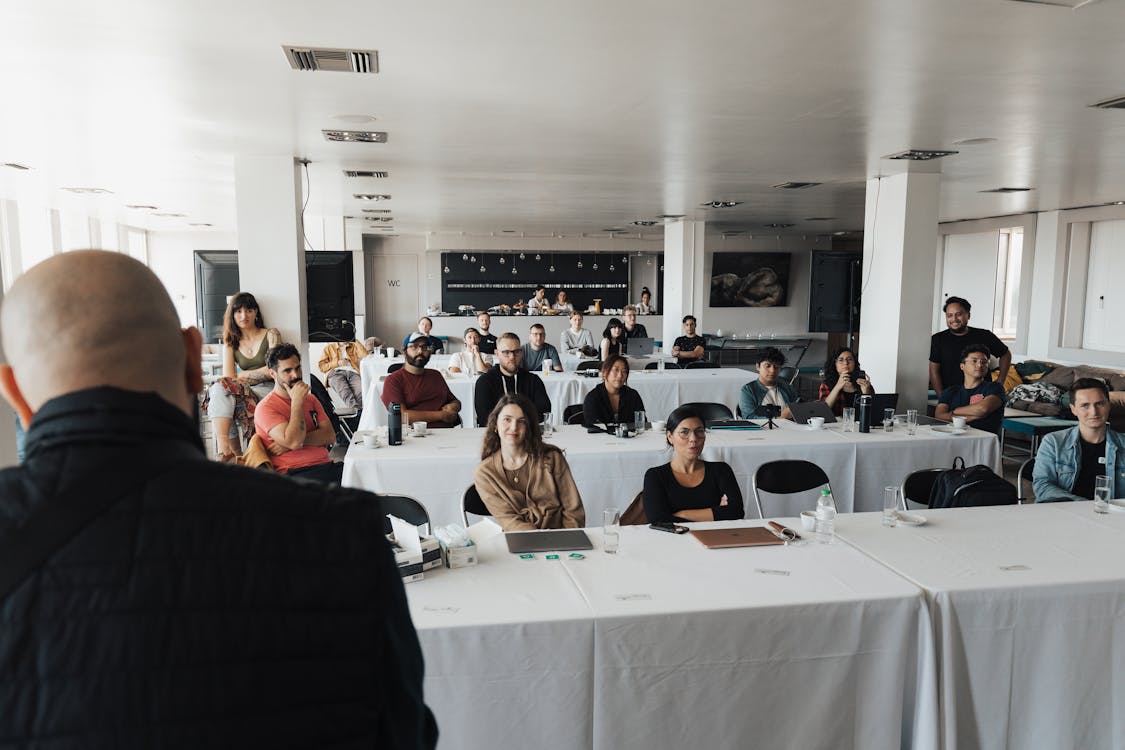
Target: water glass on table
x=548, y=426
x=640, y=421
x=888, y=420
x=911, y=421
x=1102, y=494
x=890, y=506
x=611, y=530
x=849, y=419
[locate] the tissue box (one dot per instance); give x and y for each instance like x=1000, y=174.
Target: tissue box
x=409, y=565
x=459, y=557
x=431, y=553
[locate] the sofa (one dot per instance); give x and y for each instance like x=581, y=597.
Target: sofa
x=1063, y=376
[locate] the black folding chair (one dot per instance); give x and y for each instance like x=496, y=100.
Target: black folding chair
x=471, y=503
x=1026, y=471
x=788, y=477
x=709, y=410
x=394, y=367
x=406, y=508
x=916, y=487
x=572, y=414
x=590, y=364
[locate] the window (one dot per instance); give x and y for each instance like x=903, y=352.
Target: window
x=1009, y=258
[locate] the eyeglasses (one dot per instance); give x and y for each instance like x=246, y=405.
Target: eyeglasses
x=975, y=361
x=685, y=433
x=845, y=360
x=422, y=347
x=509, y=352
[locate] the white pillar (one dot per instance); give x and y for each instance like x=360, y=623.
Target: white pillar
x=899, y=257
x=271, y=249
x=1044, y=270
x=684, y=285
x=7, y=416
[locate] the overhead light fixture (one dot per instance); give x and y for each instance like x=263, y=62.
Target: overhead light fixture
x=973, y=141
x=332, y=59
x=14, y=165
x=371, y=196
x=199, y=224
x=379, y=218
x=508, y=231
x=821, y=218
x=670, y=217
x=355, y=136
x=796, y=185
x=720, y=204
x=376, y=210
x=1008, y=190
x=916, y=154
x=778, y=225
x=643, y=223
x=169, y=215
x=1118, y=102
x=88, y=190
x=366, y=173
x=1116, y=203
x=140, y=207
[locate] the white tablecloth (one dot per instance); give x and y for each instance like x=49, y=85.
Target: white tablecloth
x=680, y=647
x=1029, y=610
x=610, y=471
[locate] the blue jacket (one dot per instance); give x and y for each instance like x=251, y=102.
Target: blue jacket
x=1058, y=460
x=753, y=393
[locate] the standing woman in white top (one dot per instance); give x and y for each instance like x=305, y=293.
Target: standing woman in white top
x=562, y=304
x=644, y=307
x=577, y=339
x=471, y=360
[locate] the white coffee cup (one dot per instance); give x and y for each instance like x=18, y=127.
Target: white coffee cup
x=808, y=520
x=960, y=423
x=420, y=428
x=815, y=423
x=371, y=440
x=547, y=366
x=658, y=425
x=390, y=351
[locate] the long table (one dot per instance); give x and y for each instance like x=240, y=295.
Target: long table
x=1029, y=610
x=609, y=471
x=661, y=391
x=670, y=645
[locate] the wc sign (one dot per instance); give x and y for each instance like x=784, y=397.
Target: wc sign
x=394, y=282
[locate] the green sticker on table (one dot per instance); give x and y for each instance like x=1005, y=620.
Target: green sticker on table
x=577, y=556
x=527, y=556
x=552, y=557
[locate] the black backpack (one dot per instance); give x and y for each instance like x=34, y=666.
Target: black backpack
x=963, y=488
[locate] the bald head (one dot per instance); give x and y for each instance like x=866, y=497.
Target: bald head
x=93, y=318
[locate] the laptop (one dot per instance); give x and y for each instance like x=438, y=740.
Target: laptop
x=639, y=347
x=742, y=536
x=802, y=410
x=551, y=540
x=880, y=402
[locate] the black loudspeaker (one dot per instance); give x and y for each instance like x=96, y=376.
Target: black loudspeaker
x=329, y=296
x=834, y=287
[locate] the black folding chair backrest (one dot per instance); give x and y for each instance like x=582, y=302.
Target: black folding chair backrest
x=787, y=477
x=406, y=508
x=788, y=374
x=652, y=366
x=1026, y=471
x=590, y=364
x=394, y=367
x=572, y=414
x=325, y=400
x=917, y=485
x=709, y=410
x=701, y=365
x=471, y=503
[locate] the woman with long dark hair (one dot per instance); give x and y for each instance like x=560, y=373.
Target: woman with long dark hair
x=613, y=339
x=525, y=483
x=231, y=398
x=612, y=401
x=843, y=379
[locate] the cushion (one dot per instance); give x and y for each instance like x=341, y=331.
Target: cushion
x=1061, y=376
x=1011, y=381
x=1032, y=367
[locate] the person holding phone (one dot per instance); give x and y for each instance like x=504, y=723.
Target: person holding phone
x=687, y=488
x=843, y=380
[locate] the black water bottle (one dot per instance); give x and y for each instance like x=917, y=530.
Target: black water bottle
x=394, y=424
x=863, y=409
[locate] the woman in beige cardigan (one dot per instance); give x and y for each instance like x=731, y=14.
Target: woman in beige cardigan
x=524, y=482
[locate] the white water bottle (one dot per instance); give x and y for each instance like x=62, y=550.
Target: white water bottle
x=825, y=517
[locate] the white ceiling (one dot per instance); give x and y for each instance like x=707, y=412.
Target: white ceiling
x=565, y=117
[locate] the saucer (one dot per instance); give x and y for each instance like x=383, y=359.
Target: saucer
x=949, y=429
x=911, y=519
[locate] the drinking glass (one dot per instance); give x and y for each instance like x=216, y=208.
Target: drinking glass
x=1101, y=494
x=890, y=506
x=548, y=426
x=611, y=530
x=639, y=421
x=911, y=421
x=849, y=419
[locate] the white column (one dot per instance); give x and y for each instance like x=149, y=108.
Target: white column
x=684, y=285
x=899, y=258
x=7, y=416
x=1044, y=270
x=271, y=251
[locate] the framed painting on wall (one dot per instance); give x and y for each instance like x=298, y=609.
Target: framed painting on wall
x=750, y=280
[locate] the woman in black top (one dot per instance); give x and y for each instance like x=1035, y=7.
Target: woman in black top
x=613, y=339
x=611, y=401
x=688, y=488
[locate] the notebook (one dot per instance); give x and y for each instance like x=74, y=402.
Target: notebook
x=741, y=536
x=802, y=410
x=552, y=540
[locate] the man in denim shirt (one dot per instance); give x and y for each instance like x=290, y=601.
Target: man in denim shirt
x=1068, y=461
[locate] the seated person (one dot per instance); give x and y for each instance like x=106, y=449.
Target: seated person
x=768, y=389
x=508, y=376
x=689, y=347
x=421, y=391
x=425, y=325
x=976, y=398
x=246, y=379
x=340, y=363
x=539, y=303
x=645, y=307
x=577, y=340
x=487, y=340
x=1069, y=460
x=292, y=424
x=633, y=329
x=843, y=379
x=525, y=483
x=562, y=304
x=471, y=360
x=613, y=339
x=612, y=401
x=536, y=351
x=688, y=488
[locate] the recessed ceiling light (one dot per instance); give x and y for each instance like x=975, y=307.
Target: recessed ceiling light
x=371, y=196
x=88, y=190
x=1008, y=190
x=508, y=231
x=973, y=141
x=721, y=204
x=821, y=218
x=14, y=165
x=199, y=224
x=796, y=185
x=644, y=223
x=778, y=225
x=354, y=119
x=355, y=136
x=916, y=154
x=140, y=207
x=1116, y=203
x=670, y=217
x=376, y=210
x=1117, y=102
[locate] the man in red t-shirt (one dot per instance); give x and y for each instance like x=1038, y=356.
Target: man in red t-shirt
x=293, y=424
x=422, y=393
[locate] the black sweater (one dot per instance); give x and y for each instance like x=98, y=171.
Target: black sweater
x=494, y=384
x=596, y=409
x=664, y=496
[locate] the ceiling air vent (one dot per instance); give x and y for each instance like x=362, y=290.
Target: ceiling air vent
x=14, y=165
x=1118, y=103
x=371, y=197
x=338, y=60
x=795, y=185
x=366, y=173
x=355, y=136
x=376, y=210
x=916, y=154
